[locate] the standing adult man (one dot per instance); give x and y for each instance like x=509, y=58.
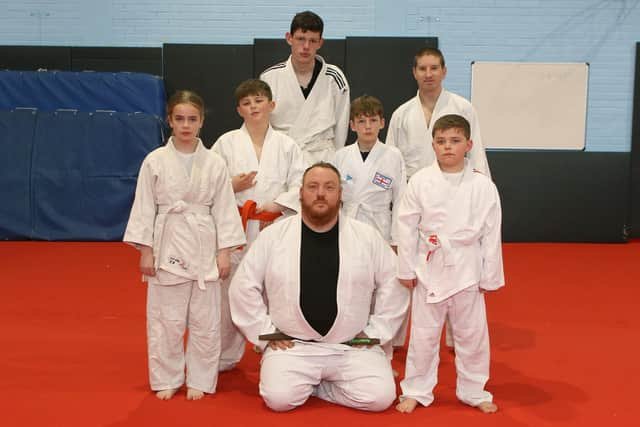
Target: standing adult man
x=314, y=277
x=411, y=123
x=311, y=96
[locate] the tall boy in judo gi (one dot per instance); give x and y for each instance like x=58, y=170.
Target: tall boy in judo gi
x=312, y=97
x=449, y=253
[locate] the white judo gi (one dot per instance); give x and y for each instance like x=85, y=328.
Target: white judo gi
x=185, y=217
x=409, y=131
x=354, y=377
x=371, y=188
x=451, y=275
x=319, y=123
x=279, y=176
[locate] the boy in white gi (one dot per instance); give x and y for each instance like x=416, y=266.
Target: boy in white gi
x=373, y=175
x=312, y=97
x=266, y=168
x=184, y=221
x=449, y=252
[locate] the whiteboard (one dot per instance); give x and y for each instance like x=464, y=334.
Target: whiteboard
x=531, y=105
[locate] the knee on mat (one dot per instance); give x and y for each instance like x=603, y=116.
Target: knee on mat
x=375, y=397
x=282, y=399
x=384, y=398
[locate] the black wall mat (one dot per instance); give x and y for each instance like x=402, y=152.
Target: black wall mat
x=116, y=59
x=562, y=196
x=32, y=58
x=635, y=153
x=268, y=52
x=381, y=67
x=213, y=71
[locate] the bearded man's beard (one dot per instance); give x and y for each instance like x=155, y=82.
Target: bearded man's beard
x=319, y=218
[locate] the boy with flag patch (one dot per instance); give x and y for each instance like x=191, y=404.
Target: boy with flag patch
x=373, y=174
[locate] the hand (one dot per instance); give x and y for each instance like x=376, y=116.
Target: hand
x=281, y=344
x=268, y=207
x=146, y=261
x=243, y=181
x=223, y=261
x=408, y=283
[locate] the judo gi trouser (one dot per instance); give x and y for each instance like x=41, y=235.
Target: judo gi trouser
x=170, y=310
x=357, y=378
x=467, y=314
x=400, y=336
x=232, y=341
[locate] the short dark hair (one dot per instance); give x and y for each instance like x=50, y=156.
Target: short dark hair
x=433, y=51
x=324, y=165
x=253, y=87
x=307, y=21
x=452, y=121
x=366, y=105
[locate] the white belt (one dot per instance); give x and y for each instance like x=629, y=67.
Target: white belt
x=188, y=210
x=183, y=207
x=444, y=243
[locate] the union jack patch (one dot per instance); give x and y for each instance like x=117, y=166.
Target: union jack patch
x=382, y=181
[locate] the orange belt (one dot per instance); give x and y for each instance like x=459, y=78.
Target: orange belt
x=248, y=211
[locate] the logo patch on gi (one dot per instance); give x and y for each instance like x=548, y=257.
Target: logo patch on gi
x=382, y=181
x=175, y=260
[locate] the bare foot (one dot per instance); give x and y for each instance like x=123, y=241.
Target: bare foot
x=166, y=394
x=193, y=394
x=487, y=407
x=407, y=406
